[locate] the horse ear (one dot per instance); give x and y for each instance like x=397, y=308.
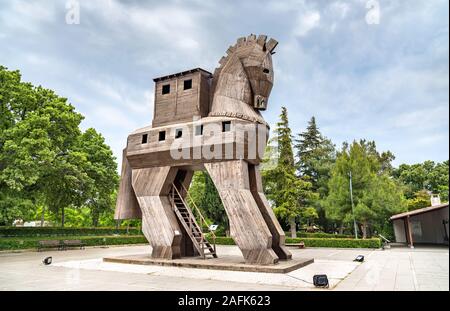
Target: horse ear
x=271, y=45
x=230, y=50
x=261, y=40
x=241, y=41
x=222, y=61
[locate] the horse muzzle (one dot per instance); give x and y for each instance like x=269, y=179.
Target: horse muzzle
x=260, y=102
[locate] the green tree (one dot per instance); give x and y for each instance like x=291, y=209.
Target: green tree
x=315, y=156
x=376, y=195
x=311, y=215
x=101, y=168
x=204, y=194
x=44, y=157
x=427, y=176
x=421, y=199
x=290, y=194
x=37, y=146
x=13, y=206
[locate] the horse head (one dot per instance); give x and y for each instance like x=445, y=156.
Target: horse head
x=245, y=77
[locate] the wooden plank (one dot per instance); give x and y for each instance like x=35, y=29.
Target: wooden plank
x=247, y=226
x=159, y=223
x=278, y=235
x=127, y=206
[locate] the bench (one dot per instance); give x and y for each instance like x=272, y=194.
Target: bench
x=72, y=243
x=49, y=244
x=299, y=245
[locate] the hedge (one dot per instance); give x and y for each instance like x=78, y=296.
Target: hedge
x=59, y=231
x=320, y=235
x=12, y=243
x=337, y=243
x=320, y=242
x=33, y=242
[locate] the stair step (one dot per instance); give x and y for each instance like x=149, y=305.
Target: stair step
x=189, y=222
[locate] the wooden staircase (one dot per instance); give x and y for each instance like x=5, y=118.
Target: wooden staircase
x=187, y=219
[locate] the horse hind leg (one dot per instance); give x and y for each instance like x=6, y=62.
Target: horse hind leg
x=247, y=225
x=159, y=223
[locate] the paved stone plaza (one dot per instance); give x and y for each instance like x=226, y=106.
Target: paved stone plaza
x=422, y=268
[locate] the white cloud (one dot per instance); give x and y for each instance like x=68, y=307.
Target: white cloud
x=306, y=22
x=173, y=24
x=422, y=119
x=388, y=83
x=110, y=117
x=27, y=16
x=432, y=139
x=340, y=9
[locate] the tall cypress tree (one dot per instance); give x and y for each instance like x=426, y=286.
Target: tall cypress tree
x=284, y=136
x=315, y=157
x=289, y=193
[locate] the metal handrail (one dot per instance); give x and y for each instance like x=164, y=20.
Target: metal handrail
x=201, y=216
x=202, y=219
x=384, y=238
x=191, y=216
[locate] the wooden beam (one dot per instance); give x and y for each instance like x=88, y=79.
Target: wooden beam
x=159, y=223
x=127, y=206
x=409, y=232
x=247, y=225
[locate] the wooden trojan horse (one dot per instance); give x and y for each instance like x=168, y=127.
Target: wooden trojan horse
x=205, y=121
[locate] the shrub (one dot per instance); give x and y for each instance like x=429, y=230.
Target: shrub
x=320, y=242
x=24, y=243
x=337, y=243
x=222, y=240
x=320, y=235
x=58, y=231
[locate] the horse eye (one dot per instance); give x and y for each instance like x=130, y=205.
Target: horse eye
x=265, y=70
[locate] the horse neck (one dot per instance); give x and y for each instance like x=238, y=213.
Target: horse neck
x=233, y=95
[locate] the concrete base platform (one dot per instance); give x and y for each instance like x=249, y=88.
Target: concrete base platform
x=231, y=263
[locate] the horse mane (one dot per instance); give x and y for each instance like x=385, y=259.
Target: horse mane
x=241, y=44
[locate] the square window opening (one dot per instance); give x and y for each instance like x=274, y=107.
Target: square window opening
x=162, y=136
x=199, y=130
x=166, y=89
x=226, y=126
x=187, y=84
x=178, y=133
x=144, y=138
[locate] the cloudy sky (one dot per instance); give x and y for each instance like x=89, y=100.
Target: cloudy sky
x=385, y=80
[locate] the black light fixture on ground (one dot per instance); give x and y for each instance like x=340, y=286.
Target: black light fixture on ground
x=47, y=261
x=359, y=258
x=321, y=280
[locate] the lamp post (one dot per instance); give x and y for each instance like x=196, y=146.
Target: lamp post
x=353, y=209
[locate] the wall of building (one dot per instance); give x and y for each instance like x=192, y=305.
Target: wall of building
x=181, y=105
x=399, y=231
x=428, y=227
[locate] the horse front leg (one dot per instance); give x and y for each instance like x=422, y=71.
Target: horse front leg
x=278, y=236
x=247, y=225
